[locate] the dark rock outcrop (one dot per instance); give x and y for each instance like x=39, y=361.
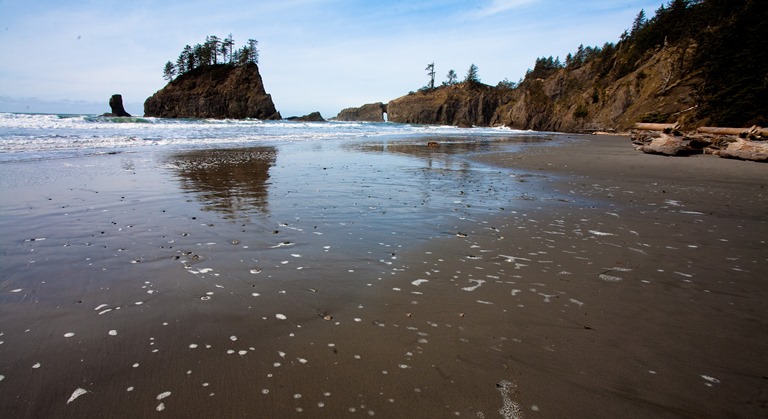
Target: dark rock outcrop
x=116, y=104
x=312, y=117
x=216, y=91
x=371, y=112
x=464, y=104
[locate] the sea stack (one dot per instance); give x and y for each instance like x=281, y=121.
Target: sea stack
x=214, y=91
x=116, y=103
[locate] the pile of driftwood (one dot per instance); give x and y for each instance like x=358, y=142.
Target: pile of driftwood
x=667, y=139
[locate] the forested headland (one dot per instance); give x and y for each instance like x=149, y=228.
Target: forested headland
x=693, y=62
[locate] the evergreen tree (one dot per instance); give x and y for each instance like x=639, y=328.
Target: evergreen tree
x=208, y=53
x=472, y=75
x=451, y=78
x=169, y=71
x=227, y=46
x=253, y=51
x=212, y=46
x=639, y=23
x=431, y=72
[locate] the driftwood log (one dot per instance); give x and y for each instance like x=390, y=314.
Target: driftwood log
x=648, y=126
x=737, y=143
x=754, y=131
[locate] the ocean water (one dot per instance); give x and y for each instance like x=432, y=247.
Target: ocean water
x=47, y=136
x=359, y=184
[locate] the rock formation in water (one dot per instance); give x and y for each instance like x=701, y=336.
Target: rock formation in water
x=312, y=117
x=116, y=104
x=215, y=91
x=371, y=112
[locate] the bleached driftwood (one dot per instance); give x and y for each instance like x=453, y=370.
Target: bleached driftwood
x=754, y=131
x=648, y=126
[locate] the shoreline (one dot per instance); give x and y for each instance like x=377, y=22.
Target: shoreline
x=577, y=279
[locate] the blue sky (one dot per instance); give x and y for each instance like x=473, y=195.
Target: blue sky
x=315, y=55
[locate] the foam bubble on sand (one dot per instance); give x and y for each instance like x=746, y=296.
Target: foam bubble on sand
x=609, y=278
x=510, y=409
x=17, y=290
x=255, y=271
x=75, y=394
x=478, y=284
x=112, y=332
x=281, y=316
x=160, y=407
x=192, y=346
x=419, y=282
x=68, y=334
x=36, y=366
x=233, y=338
x=283, y=244
x=163, y=395
x=710, y=380
x=600, y=233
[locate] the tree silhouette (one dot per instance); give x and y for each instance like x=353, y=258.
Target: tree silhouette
x=208, y=53
x=169, y=71
x=431, y=72
x=451, y=78
x=472, y=75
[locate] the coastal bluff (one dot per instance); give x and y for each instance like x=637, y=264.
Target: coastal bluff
x=217, y=91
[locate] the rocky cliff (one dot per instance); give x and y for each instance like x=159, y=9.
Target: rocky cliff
x=692, y=63
x=216, y=91
x=663, y=87
x=464, y=104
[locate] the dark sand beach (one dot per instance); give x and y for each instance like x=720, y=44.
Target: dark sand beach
x=576, y=278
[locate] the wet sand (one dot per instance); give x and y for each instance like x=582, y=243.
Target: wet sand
x=577, y=279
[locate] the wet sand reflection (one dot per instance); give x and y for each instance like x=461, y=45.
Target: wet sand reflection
x=234, y=182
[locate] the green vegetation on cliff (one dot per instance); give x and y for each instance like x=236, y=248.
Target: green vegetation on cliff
x=209, y=52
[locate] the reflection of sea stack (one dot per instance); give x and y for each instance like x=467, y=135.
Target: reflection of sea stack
x=116, y=103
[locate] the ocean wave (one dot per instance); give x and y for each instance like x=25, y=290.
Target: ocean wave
x=25, y=135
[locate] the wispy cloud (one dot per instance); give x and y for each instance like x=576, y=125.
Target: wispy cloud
x=500, y=6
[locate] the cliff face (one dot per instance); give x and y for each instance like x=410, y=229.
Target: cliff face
x=662, y=89
x=464, y=104
x=693, y=63
x=217, y=91
x=569, y=100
